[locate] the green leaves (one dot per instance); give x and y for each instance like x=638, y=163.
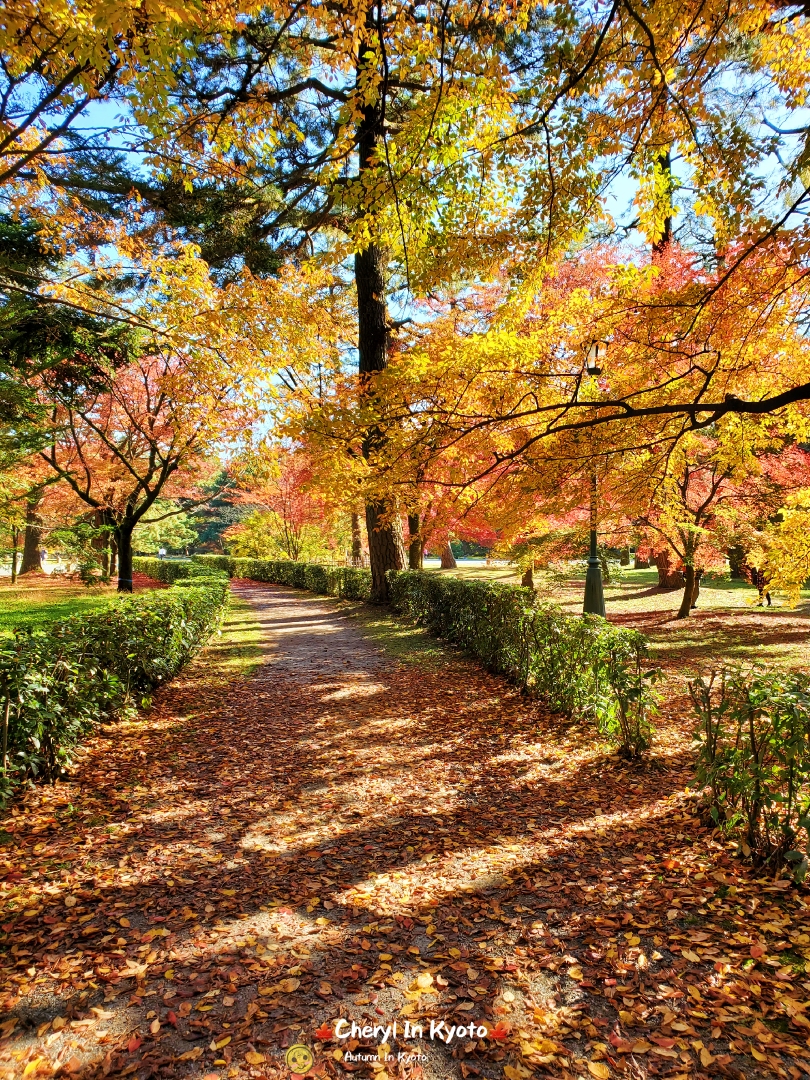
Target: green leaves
x=56, y=684
x=754, y=757
x=579, y=666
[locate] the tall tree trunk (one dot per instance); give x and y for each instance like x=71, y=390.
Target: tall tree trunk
x=31, y=562
x=448, y=558
x=386, y=547
x=113, y=555
x=357, y=541
x=668, y=576
x=123, y=542
x=415, y=548
x=624, y=557
x=688, y=592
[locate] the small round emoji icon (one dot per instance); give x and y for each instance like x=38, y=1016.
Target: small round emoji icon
x=299, y=1059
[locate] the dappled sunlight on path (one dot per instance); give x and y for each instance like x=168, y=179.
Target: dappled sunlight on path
x=342, y=835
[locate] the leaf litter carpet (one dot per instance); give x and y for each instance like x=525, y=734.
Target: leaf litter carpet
x=347, y=836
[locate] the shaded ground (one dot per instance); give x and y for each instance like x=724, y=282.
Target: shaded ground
x=331, y=816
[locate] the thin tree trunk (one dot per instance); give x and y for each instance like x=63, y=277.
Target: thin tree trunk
x=123, y=540
x=605, y=565
x=15, y=541
x=415, y=548
x=688, y=592
x=448, y=558
x=736, y=562
x=357, y=542
x=696, y=588
x=113, y=556
x=31, y=562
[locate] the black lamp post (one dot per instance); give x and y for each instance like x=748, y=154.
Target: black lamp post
x=594, y=595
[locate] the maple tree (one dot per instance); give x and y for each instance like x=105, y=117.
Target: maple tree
x=709, y=487
x=289, y=518
x=123, y=438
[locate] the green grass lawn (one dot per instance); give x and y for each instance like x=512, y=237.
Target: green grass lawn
x=237, y=650
x=726, y=625
x=32, y=607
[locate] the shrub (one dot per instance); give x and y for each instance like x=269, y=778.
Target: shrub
x=754, y=759
x=57, y=683
x=582, y=667
x=345, y=581
x=166, y=570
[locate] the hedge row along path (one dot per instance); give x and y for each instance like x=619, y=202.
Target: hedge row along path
x=345, y=834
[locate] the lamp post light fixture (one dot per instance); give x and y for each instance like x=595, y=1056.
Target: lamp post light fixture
x=594, y=603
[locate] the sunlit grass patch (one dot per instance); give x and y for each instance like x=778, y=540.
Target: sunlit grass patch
x=32, y=608
x=400, y=639
x=238, y=650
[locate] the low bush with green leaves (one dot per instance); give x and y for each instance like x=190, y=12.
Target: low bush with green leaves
x=580, y=666
x=583, y=667
x=58, y=682
x=165, y=570
x=753, y=741
x=345, y=581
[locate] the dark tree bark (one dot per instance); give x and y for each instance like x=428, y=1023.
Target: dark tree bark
x=357, y=542
x=15, y=547
x=113, y=556
x=386, y=549
x=736, y=562
x=696, y=588
x=527, y=581
x=668, y=576
x=688, y=592
x=415, y=548
x=123, y=543
x=448, y=558
x=624, y=558
x=385, y=543
x=31, y=562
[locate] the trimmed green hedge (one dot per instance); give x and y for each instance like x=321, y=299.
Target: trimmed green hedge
x=345, y=581
x=579, y=666
x=57, y=683
x=170, y=570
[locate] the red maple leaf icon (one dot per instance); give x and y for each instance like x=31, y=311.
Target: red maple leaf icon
x=324, y=1032
x=500, y=1031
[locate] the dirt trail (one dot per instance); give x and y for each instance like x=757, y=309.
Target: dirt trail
x=343, y=836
